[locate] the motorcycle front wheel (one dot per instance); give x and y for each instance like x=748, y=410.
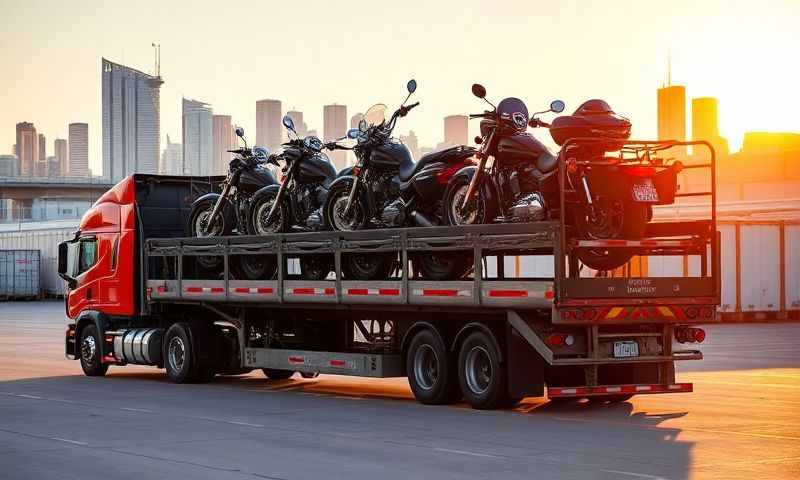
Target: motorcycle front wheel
x=478, y=211
x=199, y=220
x=613, y=219
x=335, y=206
x=259, y=212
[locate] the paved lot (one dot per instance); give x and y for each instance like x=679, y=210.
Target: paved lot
x=743, y=421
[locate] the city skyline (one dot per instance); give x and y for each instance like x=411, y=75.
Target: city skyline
x=706, y=56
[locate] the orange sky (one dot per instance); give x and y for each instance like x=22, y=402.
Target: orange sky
x=362, y=52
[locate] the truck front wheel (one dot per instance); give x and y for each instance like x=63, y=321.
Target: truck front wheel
x=91, y=363
x=277, y=374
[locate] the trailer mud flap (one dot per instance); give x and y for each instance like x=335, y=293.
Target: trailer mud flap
x=524, y=365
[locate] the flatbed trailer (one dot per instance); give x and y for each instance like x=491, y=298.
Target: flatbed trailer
x=491, y=339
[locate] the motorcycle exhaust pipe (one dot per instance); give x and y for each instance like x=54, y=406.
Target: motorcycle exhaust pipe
x=420, y=219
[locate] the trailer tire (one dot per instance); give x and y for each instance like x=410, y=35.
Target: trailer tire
x=90, y=347
x=180, y=359
x=483, y=379
x=277, y=374
x=430, y=369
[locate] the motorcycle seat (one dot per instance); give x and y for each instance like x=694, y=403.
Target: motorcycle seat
x=547, y=162
x=448, y=155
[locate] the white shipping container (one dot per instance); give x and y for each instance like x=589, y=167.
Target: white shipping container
x=728, y=261
x=792, y=246
x=19, y=274
x=46, y=242
x=760, y=267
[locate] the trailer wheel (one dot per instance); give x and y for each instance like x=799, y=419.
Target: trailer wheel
x=483, y=380
x=91, y=363
x=179, y=358
x=277, y=374
x=430, y=370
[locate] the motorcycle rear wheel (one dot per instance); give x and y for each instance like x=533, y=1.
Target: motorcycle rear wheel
x=376, y=266
x=254, y=267
x=615, y=219
x=442, y=266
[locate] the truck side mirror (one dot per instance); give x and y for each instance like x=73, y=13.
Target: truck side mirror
x=64, y=270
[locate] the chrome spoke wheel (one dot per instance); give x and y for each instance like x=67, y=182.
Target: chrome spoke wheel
x=478, y=370
x=177, y=354
x=426, y=367
x=342, y=222
x=89, y=349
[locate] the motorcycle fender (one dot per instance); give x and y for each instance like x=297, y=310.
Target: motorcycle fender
x=490, y=190
x=345, y=181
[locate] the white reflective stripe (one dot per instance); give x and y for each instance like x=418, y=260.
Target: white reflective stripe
x=435, y=292
x=613, y=389
x=675, y=387
x=643, y=388
x=568, y=390
x=312, y=291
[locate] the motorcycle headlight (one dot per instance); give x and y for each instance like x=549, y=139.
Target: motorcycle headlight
x=313, y=143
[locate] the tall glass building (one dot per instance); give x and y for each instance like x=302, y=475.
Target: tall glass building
x=131, y=121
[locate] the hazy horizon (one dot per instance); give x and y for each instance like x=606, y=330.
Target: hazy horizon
x=232, y=56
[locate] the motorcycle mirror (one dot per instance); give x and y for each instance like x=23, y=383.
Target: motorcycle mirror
x=288, y=123
x=354, y=132
x=362, y=125
x=478, y=90
x=239, y=132
x=557, y=106
x=411, y=86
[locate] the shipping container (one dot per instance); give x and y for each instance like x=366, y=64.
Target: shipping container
x=19, y=274
x=46, y=242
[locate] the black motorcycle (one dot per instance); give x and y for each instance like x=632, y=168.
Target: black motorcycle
x=217, y=214
x=295, y=204
x=516, y=179
x=388, y=189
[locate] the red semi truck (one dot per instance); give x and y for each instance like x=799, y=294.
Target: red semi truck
x=141, y=292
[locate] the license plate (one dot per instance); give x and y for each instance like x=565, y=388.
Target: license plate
x=626, y=349
x=645, y=191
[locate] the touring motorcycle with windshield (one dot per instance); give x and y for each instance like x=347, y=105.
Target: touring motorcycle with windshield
x=388, y=188
x=218, y=214
x=516, y=178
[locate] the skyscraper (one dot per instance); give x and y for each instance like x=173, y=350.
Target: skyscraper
x=53, y=169
x=299, y=124
x=356, y=119
x=62, y=156
x=27, y=149
x=8, y=167
x=40, y=170
x=224, y=139
x=456, y=128
x=131, y=121
x=198, y=138
x=705, y=125
x=79, y=149
x=672, y=115
x=172, y=159
x=269, y=129
x=335, y=126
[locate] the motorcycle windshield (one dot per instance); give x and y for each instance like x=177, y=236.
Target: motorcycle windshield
x=375, y=115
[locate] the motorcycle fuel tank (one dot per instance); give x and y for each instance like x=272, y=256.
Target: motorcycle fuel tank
x=390, y=155
x=253, y=179
x=315, y=168
x=520, y=148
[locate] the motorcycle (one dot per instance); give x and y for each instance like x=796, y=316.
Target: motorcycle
x=516, y=179
x=218, y=214
x=388, y=188
x=295, y=204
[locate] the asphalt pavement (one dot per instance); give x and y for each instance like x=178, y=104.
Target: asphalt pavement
x=741, y=422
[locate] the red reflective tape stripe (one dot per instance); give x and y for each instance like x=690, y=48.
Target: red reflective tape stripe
x=161, y=289
x=337, y=363
x=439, y=293
x=358, y=291
x=389, y=291
x=295, y=360
x=217, y=289
x=264, y=290
x=303, y=291
x=241, y=290
x=194, y=289
x=330, y=291
x=549, y=294
x=508, y=293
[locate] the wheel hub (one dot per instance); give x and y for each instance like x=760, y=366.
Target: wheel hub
x=426, y=367
x=88, y=349
x=478, y=370
x=177, y=353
